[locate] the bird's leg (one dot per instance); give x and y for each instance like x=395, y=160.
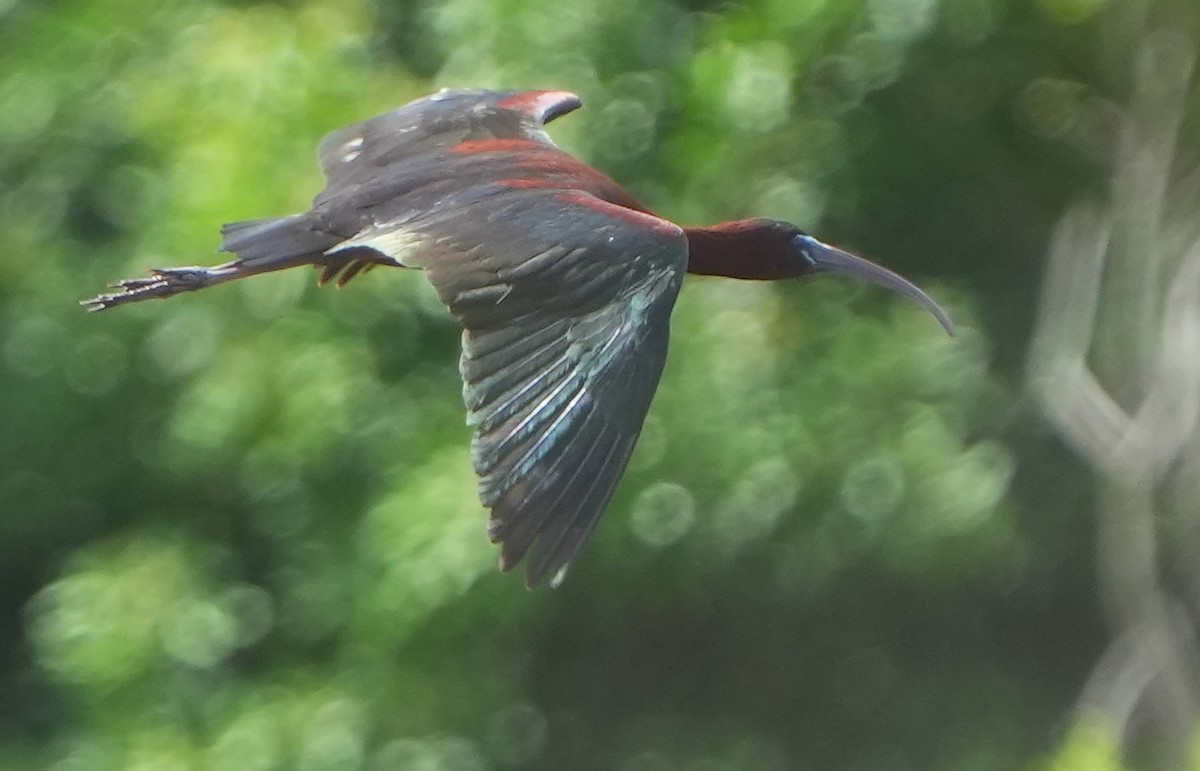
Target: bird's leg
x=165, y=282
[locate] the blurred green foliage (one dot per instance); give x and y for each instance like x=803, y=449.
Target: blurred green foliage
x=239, y=529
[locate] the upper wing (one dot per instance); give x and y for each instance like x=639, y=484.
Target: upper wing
x=565, y=302
x=357, y=153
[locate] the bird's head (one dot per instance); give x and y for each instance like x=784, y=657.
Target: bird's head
x=772, y=250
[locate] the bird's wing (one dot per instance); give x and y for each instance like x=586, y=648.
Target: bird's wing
x=564, y=300
x=355, y=154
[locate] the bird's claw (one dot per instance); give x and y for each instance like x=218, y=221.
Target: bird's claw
x=162, y=282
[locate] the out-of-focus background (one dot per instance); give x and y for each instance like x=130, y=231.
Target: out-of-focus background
x=238, y=529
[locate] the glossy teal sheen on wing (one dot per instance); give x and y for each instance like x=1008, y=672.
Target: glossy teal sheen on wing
x=513, y=375
x=523, y=391
x=551, y=409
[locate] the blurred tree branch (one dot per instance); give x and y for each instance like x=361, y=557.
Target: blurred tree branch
x=1115, y=364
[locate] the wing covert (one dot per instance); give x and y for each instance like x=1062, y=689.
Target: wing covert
x=356, y=153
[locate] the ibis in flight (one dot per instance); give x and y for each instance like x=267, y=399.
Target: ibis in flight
x=562, y=282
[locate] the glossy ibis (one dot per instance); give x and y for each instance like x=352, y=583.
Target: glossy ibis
x=563, y=285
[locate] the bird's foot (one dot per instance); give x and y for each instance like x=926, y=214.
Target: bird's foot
x=162, y=282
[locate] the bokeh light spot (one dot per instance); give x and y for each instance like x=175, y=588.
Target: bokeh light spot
x=198, y=633
x=96, y=365
x=186, y=340
x=423, y=545
x=250, y=742
x=27, y=103
x=516, y=734
x=333, y=739
x=753, y=508
x=85, y=755
x=792, y=200
x=759, y=753
x=836, y=84
x=968, y=22
x=648, y=760
x=1053, y=106
x=662, y=514
x=434, y=753
x=1071, y=11
x=901, y=20
x=873, y=488
x=406, y=754
x=276, y=294
x=759, y=93
x=625, y=128
x=794, y=12
x=115, y=616
x=878, y=59
x=34, y=345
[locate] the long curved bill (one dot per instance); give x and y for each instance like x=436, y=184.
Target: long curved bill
x=830, y=259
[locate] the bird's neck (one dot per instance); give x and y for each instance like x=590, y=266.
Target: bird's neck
x=749, y=249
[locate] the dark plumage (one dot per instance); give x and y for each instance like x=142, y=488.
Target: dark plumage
x=562, y=282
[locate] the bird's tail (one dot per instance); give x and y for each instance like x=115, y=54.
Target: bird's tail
x=261, y=246
x=275, y=243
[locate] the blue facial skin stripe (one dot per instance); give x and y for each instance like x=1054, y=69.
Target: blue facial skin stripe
x=805, y=243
